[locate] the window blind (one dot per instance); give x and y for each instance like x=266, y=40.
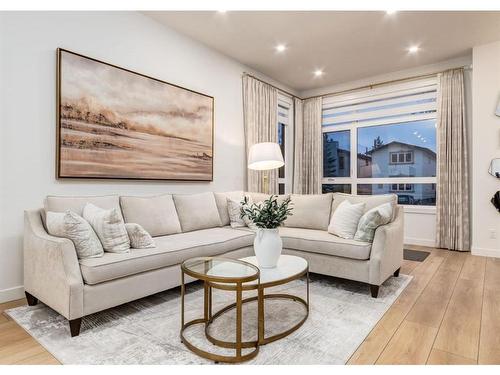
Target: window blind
x=381, y=105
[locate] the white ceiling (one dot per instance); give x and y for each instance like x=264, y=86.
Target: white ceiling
x=346, y=45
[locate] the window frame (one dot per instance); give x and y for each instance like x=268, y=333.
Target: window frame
x=286, y=102
x=359, y=99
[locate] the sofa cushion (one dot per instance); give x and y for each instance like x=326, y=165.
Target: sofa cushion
x=370, y=201
x=169, y=250
x=197, y=211
x=259, y=197
x=156, y=214
x=56, y=203
x=322, y=242
x=310, y=211
x=221, y=201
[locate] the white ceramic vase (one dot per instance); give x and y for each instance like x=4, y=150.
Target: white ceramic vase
x=267, y=246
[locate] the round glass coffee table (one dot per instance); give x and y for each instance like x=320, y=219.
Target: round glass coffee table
x=241, y=275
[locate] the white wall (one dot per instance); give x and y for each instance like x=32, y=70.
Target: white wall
x=420, y=222
x=485, y=146
x=28, y=42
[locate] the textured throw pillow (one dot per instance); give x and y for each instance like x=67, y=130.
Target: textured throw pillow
x=74, y=227
x=139, y=238
x=234, y=211
x=371, y=220
x=345, y=219
x=109, y=227
x=221, y=201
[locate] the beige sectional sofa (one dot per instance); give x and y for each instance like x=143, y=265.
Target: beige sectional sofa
x=185, y=226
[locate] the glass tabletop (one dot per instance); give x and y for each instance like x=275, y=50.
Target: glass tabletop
x=220, y=269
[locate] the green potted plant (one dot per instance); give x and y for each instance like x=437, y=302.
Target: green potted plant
x=267, y=216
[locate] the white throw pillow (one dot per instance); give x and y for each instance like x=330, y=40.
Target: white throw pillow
x=74, y=227
x=109, y=227
x=371, y=220
x=345, y=219
x=139, y=238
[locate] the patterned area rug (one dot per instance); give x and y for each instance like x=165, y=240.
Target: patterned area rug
x=147, y=331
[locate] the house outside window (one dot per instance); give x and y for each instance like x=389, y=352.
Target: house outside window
x=386, y=138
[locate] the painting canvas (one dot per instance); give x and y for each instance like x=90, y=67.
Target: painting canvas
x=115, y=123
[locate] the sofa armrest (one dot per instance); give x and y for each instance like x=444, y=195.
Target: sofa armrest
x=387, y=249
x=51, y=269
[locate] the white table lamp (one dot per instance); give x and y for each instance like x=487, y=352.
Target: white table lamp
x=263, y=157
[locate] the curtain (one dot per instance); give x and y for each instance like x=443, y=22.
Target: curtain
x=453, y=227
x=260, y=116
x=308, y=150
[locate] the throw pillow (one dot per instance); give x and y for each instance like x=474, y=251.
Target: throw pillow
x=109, y=227
x=139, y=238
x=345, y=219
x=371, y=220
x=74, y=227
x=234, y=211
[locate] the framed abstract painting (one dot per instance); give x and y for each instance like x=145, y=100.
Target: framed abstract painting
x=113, y=123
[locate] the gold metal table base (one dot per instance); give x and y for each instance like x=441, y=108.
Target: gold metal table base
x=261, y=340
x=239, y=344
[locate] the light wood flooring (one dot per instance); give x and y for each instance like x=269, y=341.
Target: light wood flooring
x=448, y=314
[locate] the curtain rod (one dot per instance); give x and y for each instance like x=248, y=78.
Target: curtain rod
x=267, y=83
x=370, y=86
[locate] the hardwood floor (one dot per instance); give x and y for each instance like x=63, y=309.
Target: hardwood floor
x=17, y=347
x=448, y=314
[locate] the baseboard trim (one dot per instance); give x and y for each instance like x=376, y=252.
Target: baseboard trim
x=12, y=294
x=485, y=252
x=419, y=241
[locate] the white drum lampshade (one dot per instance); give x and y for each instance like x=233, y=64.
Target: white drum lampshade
x=265, y=156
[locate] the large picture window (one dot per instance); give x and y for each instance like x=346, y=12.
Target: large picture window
x=392, y=131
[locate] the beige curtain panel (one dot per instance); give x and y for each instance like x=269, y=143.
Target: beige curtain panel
x=308, y=150
x=260, y=115
x=453, y=225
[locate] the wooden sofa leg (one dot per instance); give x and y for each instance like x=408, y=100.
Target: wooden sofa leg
x=74, y=326
x=374, y=290
x=396, y=273
x=32, y=300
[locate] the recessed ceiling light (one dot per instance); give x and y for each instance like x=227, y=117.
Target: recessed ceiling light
x=280, y=48
x=389, y=12
x=222, y=11
x=413, y=49
x=318, y=73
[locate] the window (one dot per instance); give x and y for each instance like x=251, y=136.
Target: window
x=392, y=133
x=285, y=140
x=337, y=188
x=336, y=154
x=401, y=157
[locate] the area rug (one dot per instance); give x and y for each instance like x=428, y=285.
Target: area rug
x=342, y=313
x=415, y=255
